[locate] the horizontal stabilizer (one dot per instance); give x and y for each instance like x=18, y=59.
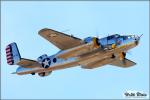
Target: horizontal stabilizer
x=14, y=58
x=27, y=63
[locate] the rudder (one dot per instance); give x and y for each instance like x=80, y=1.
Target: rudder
x=12, y=54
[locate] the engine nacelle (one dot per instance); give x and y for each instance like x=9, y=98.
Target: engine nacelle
x=94, y=40
x=43, y=74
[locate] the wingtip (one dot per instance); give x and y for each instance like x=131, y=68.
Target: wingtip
x=42, y=30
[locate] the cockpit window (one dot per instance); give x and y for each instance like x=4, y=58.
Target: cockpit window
x=125, y=37
x=110, y=37
x=129, y=37
x=113, y=36
x=117, y=35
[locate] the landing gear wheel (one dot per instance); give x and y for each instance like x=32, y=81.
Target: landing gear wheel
x=32, y=73
x=42, y=74
x=113, y=56
x=124, y=54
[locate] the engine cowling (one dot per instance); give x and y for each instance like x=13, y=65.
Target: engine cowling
x=96, y=43
x=43, y=74
x=94, y=40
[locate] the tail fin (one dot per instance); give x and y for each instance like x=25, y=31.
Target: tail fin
x=12, y=54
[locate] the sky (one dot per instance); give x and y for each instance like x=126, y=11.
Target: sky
x=21, y=21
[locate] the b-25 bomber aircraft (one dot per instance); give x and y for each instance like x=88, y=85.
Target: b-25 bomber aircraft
x=88, y=53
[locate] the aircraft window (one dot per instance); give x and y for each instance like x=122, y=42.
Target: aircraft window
x=129, y=37
x=132, y=36
x=117, y=35
x=125, y=37
x=110, y=37
x=54, y=60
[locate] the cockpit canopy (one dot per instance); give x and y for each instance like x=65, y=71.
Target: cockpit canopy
x=89, y=39
x=113, y=36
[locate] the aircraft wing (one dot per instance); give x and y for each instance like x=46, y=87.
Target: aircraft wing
x=116, y=62
x=27, y=63
x=59, y=39
x=125, y=63
x=97, y=63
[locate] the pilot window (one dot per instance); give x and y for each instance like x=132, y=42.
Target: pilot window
x=110, y=37
x=125, y=37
